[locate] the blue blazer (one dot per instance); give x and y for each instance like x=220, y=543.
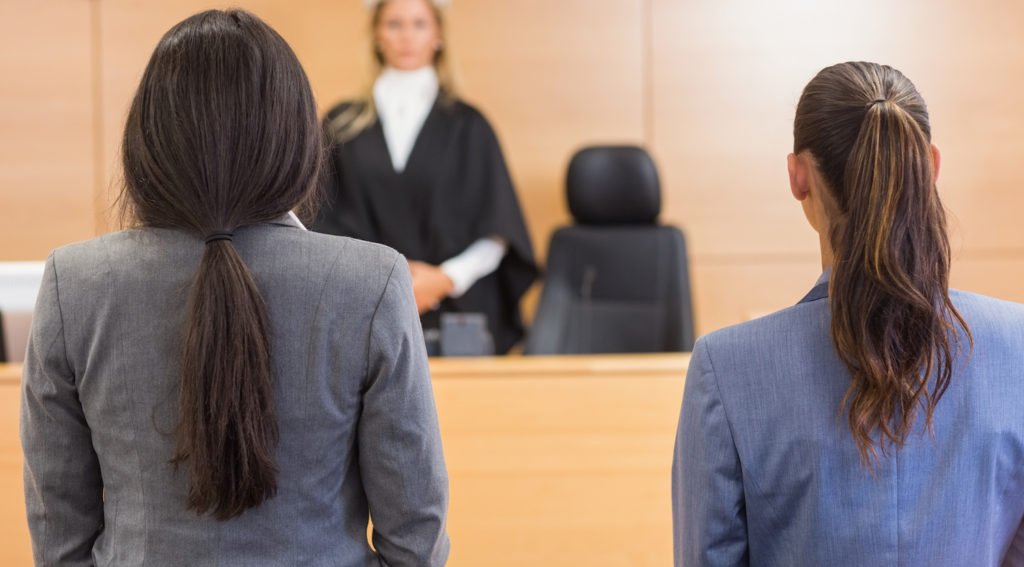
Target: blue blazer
x=766, y=471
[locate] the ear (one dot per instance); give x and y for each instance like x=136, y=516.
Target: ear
x=799, y=179
x=936, y=162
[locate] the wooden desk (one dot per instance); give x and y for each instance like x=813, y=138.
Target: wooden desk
x=552, y=460
x=560, y=461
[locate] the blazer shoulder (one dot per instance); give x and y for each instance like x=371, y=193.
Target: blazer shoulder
x=94, y=254
x=992, y=320
x=983, y=306
x=95, y=245
x=352, y=250
x=356, y=261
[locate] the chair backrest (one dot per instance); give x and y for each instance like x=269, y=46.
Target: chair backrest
x=19, y=286
x=616, y=282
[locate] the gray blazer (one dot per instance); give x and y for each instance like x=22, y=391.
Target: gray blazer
x=358, y=428
x=766, y=471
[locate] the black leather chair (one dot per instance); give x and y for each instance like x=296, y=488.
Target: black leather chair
x=617, y=281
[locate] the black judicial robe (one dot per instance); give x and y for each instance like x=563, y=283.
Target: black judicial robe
x=455, y=189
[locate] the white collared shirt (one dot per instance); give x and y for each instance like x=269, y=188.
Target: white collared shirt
x=479, y=260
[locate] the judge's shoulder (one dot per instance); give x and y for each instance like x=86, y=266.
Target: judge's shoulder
x=470, y=120
x=461, y=109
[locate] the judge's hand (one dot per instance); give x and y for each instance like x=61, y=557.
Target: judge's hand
x=430, y=285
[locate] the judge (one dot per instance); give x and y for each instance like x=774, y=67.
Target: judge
x=417, y=169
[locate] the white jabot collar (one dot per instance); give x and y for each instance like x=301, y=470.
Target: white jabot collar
x=404, y=100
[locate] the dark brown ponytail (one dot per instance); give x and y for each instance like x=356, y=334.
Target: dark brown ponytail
x=893, y=323
x=221, y=134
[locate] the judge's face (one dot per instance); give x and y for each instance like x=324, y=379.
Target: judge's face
x=407, y=34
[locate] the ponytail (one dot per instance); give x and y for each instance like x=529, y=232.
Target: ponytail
x=228, y=431
x=893, y=324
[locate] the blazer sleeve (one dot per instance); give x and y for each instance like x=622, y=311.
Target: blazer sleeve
x=709, y=514
x=63, y=487
x=400, y=452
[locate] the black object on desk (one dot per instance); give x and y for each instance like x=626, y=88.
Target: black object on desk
x=465, y=334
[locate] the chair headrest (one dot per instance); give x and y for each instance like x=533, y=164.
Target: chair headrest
x=613, y=185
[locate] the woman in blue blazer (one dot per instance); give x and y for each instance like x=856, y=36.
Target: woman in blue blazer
x=880, y=420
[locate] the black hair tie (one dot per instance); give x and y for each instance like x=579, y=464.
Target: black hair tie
x=220, y=236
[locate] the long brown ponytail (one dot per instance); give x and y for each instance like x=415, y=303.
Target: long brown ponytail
x=221, y=134
x=893, y=323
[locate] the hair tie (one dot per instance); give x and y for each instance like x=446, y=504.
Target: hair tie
x=878, y=100
x=220, y=236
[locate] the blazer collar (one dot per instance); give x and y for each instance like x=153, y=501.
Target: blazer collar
x=289, y=219
x=820, y=289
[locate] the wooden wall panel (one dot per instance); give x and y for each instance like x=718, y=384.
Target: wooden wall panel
x=729, y=292
x=999, y=275
x=46, y=127
x=726, y=80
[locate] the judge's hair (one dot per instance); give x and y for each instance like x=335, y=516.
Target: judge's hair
x=363, y=112
x=222, y=133
x=893, y=324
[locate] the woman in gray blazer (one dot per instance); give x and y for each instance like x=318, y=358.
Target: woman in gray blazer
x=219, y=386
x=879, y=421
